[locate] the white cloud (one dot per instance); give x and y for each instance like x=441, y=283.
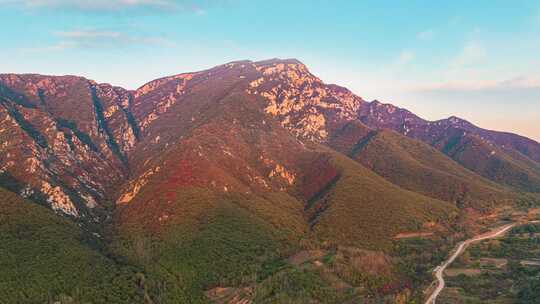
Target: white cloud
x=426, y=35
x=107, y=5
x=93, y=39
x=524, y=81
x=406, y=56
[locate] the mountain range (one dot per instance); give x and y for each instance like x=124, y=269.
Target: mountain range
x=220, y=178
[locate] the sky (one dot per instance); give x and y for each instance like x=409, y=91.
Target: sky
x=479, y=60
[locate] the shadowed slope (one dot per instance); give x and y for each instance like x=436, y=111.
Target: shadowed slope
x=363, y=209
x=418, y=167
x=504, y=158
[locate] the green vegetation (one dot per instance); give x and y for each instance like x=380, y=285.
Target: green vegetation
x=419, y=167
x=83, y=137
x=417, y=257
x=7, y=94
x=214, y=240
x=213, y=243
x=336, y=275
x=365, y=210
x=225, y=202
x=46, y=258
x=504, y=167
x=526, y=201
x=295, y=285
x=26, y=126
x=103, y=126
x=510, y=272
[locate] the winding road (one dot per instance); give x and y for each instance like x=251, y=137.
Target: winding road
x=460, y=248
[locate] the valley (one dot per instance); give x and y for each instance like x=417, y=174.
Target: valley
x=502, y=270
x=439, y=270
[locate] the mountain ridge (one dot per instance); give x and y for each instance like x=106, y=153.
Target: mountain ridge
x=463, y=123
x=114, y=120
x=452, y=119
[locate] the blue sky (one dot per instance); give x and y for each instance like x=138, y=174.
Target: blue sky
x=479, y=60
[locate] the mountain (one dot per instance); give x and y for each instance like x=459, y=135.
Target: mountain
x=316, y=111
x=504, y=158
x=231, y=145
x=204, y=180
x=313, y=110
x=416, y=166
x=225, y=163
x=65, y=140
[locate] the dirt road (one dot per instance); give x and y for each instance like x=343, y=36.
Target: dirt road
x=439, y=271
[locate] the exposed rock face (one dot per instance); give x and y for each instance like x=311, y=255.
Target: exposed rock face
x=302, y=102
x=64, y=139
x=74, y=144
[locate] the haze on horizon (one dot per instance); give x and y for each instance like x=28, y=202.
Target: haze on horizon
x=479, y=61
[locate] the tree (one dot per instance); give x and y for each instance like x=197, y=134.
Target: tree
x=465, y=258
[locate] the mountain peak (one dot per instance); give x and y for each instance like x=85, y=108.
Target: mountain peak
x=279, y=60
x=456, y=121
x=303, y=103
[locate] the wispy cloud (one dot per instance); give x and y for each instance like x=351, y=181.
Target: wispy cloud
x=524, y=82
x=108, y=5
x=95, y=39
x=529, y=81
x=89, y=34
x=406, y=56
x=426, y=35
